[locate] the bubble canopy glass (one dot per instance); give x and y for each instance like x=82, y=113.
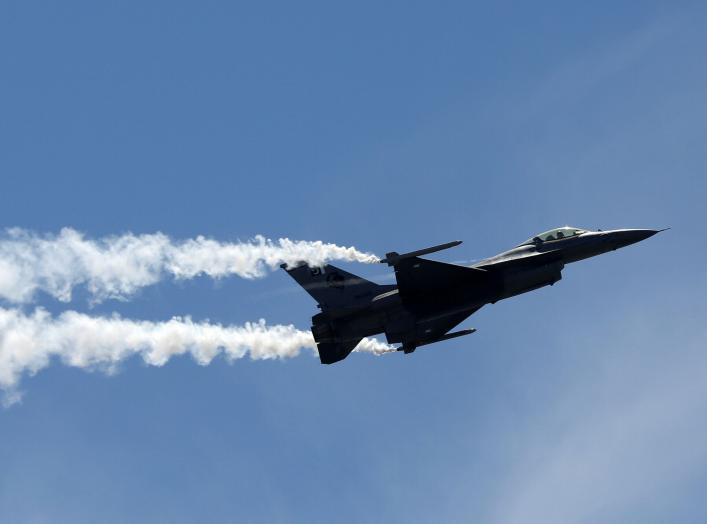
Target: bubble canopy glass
x=555, y=234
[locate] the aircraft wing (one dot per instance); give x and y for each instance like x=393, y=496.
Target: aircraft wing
x=418, y=276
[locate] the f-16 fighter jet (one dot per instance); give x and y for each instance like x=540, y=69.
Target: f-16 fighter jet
x=431, y=297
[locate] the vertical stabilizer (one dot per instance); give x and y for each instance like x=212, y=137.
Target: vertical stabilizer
x=335, y=288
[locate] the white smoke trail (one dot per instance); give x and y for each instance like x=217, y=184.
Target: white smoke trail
x=29, y=342
x=117, y=266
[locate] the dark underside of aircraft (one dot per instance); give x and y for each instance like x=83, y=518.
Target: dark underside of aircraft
x=432, y=297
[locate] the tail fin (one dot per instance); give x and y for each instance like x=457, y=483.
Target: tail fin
x=334, y=288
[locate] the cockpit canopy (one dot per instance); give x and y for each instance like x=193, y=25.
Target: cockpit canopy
x=555, y=234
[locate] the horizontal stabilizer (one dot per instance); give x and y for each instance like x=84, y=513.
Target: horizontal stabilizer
x=331, y=352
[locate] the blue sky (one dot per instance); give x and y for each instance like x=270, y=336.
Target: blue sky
x=388, y=127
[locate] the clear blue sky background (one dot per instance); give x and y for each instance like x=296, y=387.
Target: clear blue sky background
x=384, y=125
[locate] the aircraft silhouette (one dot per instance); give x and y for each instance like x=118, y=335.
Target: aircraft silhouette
x=431, y=297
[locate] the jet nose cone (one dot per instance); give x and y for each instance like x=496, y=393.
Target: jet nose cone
x=626, y=237
x=636, y=235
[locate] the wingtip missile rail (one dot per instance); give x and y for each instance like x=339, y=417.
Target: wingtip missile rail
x=409, y=348
x=393, y=258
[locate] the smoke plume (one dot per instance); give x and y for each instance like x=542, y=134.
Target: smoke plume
x=29, y=342
x=117, y=266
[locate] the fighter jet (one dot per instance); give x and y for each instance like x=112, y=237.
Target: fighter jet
x=430, y=297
